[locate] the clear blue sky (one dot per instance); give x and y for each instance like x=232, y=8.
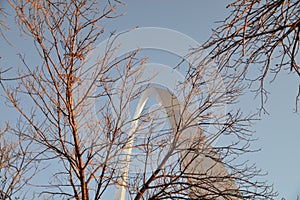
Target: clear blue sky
x=278, y=133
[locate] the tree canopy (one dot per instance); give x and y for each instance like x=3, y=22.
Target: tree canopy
x=259, y=34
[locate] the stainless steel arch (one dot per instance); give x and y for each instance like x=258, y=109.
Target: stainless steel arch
x=184, y=140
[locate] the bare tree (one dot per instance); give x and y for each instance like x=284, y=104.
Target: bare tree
x=259, y=33
x=18, y=164
x=92, y=143
x=63, y=33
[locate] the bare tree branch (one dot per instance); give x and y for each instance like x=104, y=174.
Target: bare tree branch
x=258, y=33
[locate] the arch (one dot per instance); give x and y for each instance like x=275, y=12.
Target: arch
x=187, y=137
